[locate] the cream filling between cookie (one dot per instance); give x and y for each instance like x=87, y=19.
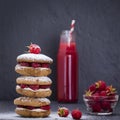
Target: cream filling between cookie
x=18, y=66
x=43, y=79
x=34, y=64
x=36, y=110
x=41, y=89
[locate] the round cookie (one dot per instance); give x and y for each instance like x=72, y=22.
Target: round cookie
x=32, y=107
x=30, y=71
x=34, y=86
x=30, y=64
x=30, y=57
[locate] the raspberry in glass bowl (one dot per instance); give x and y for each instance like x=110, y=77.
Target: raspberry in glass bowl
x=100, y=99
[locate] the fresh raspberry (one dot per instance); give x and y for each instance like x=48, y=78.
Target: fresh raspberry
x=24, y=64
x=96, y=107
x=102, y=98
x=92, y=88
x=110, y=90
x=23, y=85
x=47, y=107
x=96, y=97
x=34, y=48
x=76, y=114
x=106, y=105
x=45, y=65
x=100, y=85
x=63, y=112
x=34, y=87
x=30, y=107
x=36, y=65
x=111, y=97
x=21, y=106
x=27, y=107
x=103, y=93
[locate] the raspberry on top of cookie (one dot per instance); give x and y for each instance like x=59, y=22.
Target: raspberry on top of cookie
x=33, y=62
x=34, y=48
x=34, y=58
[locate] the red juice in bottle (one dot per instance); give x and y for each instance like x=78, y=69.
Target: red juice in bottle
x=67, y=69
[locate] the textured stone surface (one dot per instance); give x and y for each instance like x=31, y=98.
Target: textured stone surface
x=9, y=114
x=41, y=21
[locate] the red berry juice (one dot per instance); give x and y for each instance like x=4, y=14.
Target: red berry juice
x=67, y=69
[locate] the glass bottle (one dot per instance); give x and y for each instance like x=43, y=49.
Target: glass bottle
x=67, y=68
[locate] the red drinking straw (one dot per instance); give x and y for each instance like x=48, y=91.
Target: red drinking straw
x=71, y=30
x=72, y=26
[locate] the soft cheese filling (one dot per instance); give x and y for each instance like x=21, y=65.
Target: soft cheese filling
x=35, y=64
x=34, y=87
x=46, y=107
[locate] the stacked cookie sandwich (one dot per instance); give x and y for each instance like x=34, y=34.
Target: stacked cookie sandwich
x=33, y=84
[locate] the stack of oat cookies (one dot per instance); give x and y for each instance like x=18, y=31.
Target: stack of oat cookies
x=33, y=84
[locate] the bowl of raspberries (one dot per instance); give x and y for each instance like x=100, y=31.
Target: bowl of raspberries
x=100, y=99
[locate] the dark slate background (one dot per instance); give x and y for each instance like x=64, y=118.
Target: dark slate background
x=41, y=22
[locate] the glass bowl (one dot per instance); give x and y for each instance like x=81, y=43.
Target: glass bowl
x=100, y=105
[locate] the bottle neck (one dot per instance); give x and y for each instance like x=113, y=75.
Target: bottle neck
x=67, y=42
x=67, y=37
